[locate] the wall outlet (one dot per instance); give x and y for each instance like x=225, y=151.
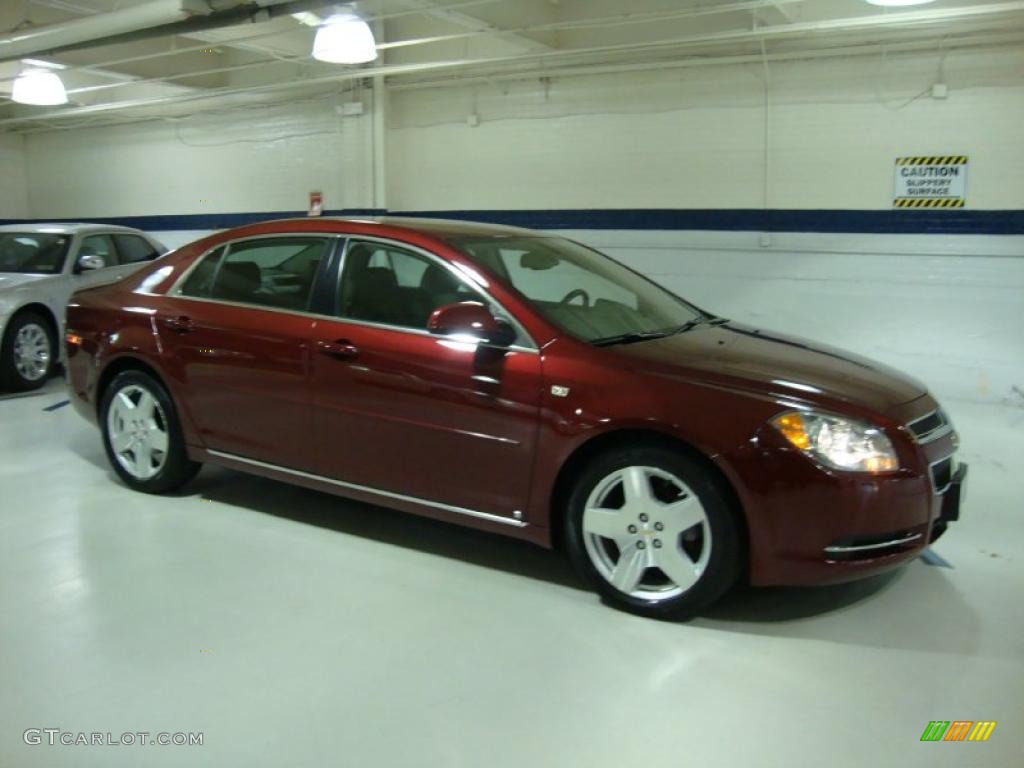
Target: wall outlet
x=352, y=108
x=765, y=240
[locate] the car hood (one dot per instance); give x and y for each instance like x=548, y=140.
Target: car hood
x=10, y=280
x=748, y=358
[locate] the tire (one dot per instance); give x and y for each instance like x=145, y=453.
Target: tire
x=636, y=510
x=142, y=434
x=28, y=353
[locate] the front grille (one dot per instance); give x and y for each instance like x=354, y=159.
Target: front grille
x=930, y=427
x=942, y=474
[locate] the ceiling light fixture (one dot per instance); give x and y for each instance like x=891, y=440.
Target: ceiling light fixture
x=308, y=18
x=40, y=88
x=344, y=39
x=897, y=3
x=44, y=64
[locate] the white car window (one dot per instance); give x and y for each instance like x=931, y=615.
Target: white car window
x=99, y=245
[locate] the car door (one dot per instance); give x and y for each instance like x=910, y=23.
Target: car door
x=73, y=278
x=94, y=244
x=236, y=334
x=448, y=421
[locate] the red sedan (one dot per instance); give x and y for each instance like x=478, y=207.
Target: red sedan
x=521, y=383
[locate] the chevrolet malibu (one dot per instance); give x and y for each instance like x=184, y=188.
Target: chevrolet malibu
x=523, y=384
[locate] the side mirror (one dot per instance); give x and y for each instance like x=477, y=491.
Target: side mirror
x=472, y=320
x=87, y=262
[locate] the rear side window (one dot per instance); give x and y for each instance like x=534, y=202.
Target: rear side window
x=133, y=249
x=200, y=281
x=268, y=272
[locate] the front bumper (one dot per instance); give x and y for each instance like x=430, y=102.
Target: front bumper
x=808, y=525
x=952, y=500
x=872, y=548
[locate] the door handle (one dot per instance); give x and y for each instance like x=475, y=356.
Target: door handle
x=341, y=349
x=180, y=324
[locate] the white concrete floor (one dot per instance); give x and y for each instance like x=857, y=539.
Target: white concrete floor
x=294, y=628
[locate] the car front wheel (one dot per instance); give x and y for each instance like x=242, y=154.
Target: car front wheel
x=142, y=435
x=653, y=531
x=28, y=353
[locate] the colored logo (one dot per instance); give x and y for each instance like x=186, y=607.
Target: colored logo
x=958, y=730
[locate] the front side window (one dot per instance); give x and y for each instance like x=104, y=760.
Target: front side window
x=581, y=291
x=381, y=283
x=99, y=245
x=33, y=252
x=269, y=272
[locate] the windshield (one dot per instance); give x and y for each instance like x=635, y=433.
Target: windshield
x=583, y=292
x=33, y=252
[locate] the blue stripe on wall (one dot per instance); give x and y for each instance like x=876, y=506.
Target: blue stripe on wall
x=926, y=221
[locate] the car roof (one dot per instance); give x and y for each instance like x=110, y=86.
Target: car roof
x=427, y=225
x=65, y=228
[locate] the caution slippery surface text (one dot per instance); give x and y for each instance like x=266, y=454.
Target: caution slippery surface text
x=934, y=181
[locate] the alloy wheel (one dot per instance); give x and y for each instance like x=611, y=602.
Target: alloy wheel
x=646, y=533
x=138, y=431
x=32, y=352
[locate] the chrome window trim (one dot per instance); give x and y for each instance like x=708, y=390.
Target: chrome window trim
x=175, y=290
x=838, y=550
x=944, y=428
x=375, y=491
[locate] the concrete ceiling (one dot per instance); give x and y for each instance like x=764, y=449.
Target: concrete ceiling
x=430, y=42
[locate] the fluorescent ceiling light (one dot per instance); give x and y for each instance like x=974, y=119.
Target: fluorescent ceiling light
x=900, y=2
x=308, y=18
x=43, y=64
x=344, y=39
x=39, y=87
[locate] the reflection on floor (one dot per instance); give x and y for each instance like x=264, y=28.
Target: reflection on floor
x=294, y=628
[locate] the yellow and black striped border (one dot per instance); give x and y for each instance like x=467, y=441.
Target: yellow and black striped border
x=933, y=160
x=928, y=202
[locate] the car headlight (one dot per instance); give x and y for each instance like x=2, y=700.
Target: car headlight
x=837, y=442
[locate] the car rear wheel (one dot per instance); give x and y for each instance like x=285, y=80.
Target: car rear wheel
x=28, y=353
x=142, y=435
x=653, y=531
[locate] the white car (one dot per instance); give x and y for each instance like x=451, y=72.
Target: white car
x=41, y=265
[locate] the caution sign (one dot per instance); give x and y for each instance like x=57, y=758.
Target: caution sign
x=931, y=182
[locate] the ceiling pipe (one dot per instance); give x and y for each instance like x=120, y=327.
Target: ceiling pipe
x=781, y=31
x=531, y=71
x=618, y=20
x=30, y=42
x=585, y=70
x=873, y=49
x=157, y=18
x=757, y=35
x=852, y=51
x=228, y=42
